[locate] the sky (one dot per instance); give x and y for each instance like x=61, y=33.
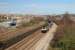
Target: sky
x=37, y=6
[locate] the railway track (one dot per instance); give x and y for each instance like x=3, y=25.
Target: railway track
x=30, y=42
x=35, y=41
x=18, y=31
x=7, y=42
x=27, y=42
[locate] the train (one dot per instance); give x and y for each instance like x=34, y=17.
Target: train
x=46, y=28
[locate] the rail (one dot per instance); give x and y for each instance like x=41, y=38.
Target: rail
x=6, y=43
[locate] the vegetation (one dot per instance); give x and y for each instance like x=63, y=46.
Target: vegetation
x=34, y=21
x=64, y=39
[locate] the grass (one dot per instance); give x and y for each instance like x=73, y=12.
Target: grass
x=64, y=39
x=68, y=37
x=34, y=21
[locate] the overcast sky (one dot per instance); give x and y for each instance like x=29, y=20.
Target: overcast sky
x=37, y=6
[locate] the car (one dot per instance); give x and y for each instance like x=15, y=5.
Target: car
x=12, y=23
x=44, y=29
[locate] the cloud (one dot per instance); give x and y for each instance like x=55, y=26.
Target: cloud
x=36, y=8
x=4, y=4
x=49, y=6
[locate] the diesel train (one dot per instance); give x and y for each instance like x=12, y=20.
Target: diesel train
x=46, y=28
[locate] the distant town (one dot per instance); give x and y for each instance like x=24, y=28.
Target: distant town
x=8, y=18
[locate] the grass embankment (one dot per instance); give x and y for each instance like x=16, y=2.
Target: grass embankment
x=64, y=38
x=34, y=21
x=31, y=23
